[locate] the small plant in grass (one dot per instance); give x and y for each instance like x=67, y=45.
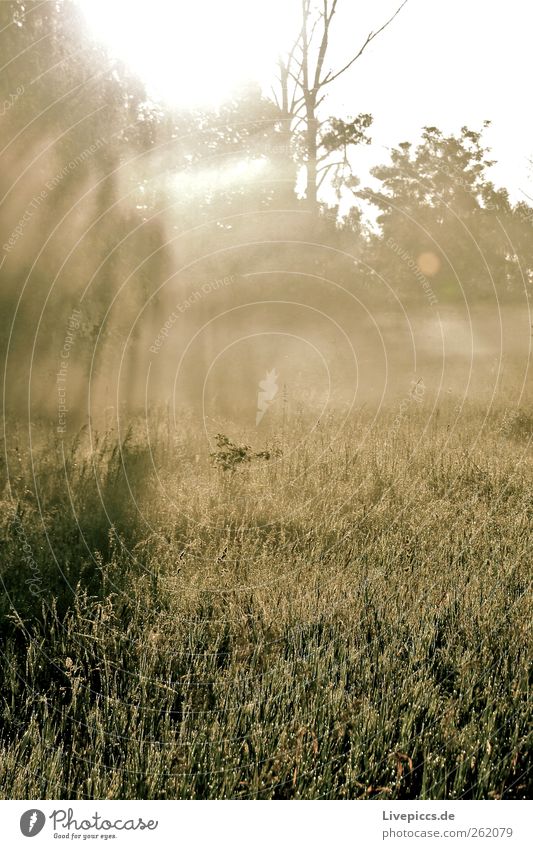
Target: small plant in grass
x=230, y=456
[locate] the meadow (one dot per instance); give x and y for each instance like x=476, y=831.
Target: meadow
x=335, y=612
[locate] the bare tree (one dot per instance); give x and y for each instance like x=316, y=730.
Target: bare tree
x=302, y=85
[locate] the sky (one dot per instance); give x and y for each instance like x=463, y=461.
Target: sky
x=447, y=64
x=439, y=63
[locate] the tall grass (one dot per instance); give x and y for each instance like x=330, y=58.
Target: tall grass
x=349, y=618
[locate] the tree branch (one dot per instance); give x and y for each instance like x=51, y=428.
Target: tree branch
x=327, y=15
x=327, y=167
x=325, y=170
x=276, y=101
x=300, y=120
x=371, y=36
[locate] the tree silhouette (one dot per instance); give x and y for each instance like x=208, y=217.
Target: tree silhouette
x=303, y=83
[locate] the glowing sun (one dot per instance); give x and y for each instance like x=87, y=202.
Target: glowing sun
x=196, y=52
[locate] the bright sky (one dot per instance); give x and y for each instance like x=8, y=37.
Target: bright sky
x=443, y=63
x=448, y=64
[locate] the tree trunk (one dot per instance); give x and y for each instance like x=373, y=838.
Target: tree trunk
x=311, y=165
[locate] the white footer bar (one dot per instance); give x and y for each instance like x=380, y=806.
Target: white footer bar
x=258, y=824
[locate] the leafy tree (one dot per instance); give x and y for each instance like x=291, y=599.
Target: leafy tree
x=440, y=214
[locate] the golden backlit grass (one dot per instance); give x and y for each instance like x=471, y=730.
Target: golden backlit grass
x=351, y=619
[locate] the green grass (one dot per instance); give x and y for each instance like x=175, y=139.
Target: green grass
x=351, y=619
